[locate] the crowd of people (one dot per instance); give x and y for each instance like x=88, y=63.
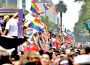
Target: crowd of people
x=40, y=48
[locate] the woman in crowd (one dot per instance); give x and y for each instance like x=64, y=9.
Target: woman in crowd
x=31, y=57
x=46, y=58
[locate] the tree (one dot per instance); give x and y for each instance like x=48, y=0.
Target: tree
x=87, y=24
x=51, y=25
x=61, y=7
x=81, y=29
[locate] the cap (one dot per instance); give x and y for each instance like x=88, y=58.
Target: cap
x=5, y=17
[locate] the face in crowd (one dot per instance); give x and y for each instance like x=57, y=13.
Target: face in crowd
x=45, y=59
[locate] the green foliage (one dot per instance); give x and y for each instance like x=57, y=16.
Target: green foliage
x=51, y=25
x=25, y=12
x=61, y=7
x=81, y=29
x=87, y=24
x=44, y=19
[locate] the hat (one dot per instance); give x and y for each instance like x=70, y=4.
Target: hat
x=5, y=17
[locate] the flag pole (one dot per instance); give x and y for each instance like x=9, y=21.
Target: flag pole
x=45, y=13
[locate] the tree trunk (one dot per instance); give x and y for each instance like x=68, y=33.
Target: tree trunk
x=61, y=26
x=61, y=22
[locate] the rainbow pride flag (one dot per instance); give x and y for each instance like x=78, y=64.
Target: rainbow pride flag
x=34, y=8
x=47, y=6
x=36, y=24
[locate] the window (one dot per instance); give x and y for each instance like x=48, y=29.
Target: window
x=23, y=4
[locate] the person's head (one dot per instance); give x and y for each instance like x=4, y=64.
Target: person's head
x=5, y=59
x=33, y=56
x=6, y=18
x=15, y=15
x=87, y=49
x=55, y=54
x=82, y=51
x=46, y=58
x=15, y=57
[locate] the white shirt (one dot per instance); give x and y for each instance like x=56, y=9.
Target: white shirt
x=12, y=27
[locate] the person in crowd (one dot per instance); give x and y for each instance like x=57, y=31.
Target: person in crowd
x=5, y=19
x=11, y=28
x=87, y=49
x=69, y=56
x=46, y=58
x=15, y=59
x=31, y=57
x=55, y=58
x=2, y=28
x=5, y=58
x=82, y=51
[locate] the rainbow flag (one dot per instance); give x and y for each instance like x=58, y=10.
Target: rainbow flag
x=44, y=39
x=34, y=8
x=47, y=6
x=36, y=24
x=69, y=38
x=36, y=14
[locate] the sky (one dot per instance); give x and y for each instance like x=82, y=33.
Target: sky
x=72, y=14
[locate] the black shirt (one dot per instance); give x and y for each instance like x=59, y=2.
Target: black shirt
x=3, y=26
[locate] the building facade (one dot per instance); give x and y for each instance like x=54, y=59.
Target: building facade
x=8, y=4
x=26, y=4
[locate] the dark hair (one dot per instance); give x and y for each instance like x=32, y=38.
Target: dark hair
x=49, y=54
x=30, y=63
x=35, y=34
x=5, y=59
x=17, y=57
x=41, y=52
x=87, y=49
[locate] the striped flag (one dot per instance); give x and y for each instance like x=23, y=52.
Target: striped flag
x=34, y=8
x=36, y=24
x=47, y=6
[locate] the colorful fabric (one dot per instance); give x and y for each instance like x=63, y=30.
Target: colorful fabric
x=36, y=24
x=69, y=38
x=36, y=14
x=43, y=39
x=47, y=6
x=34, y=8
